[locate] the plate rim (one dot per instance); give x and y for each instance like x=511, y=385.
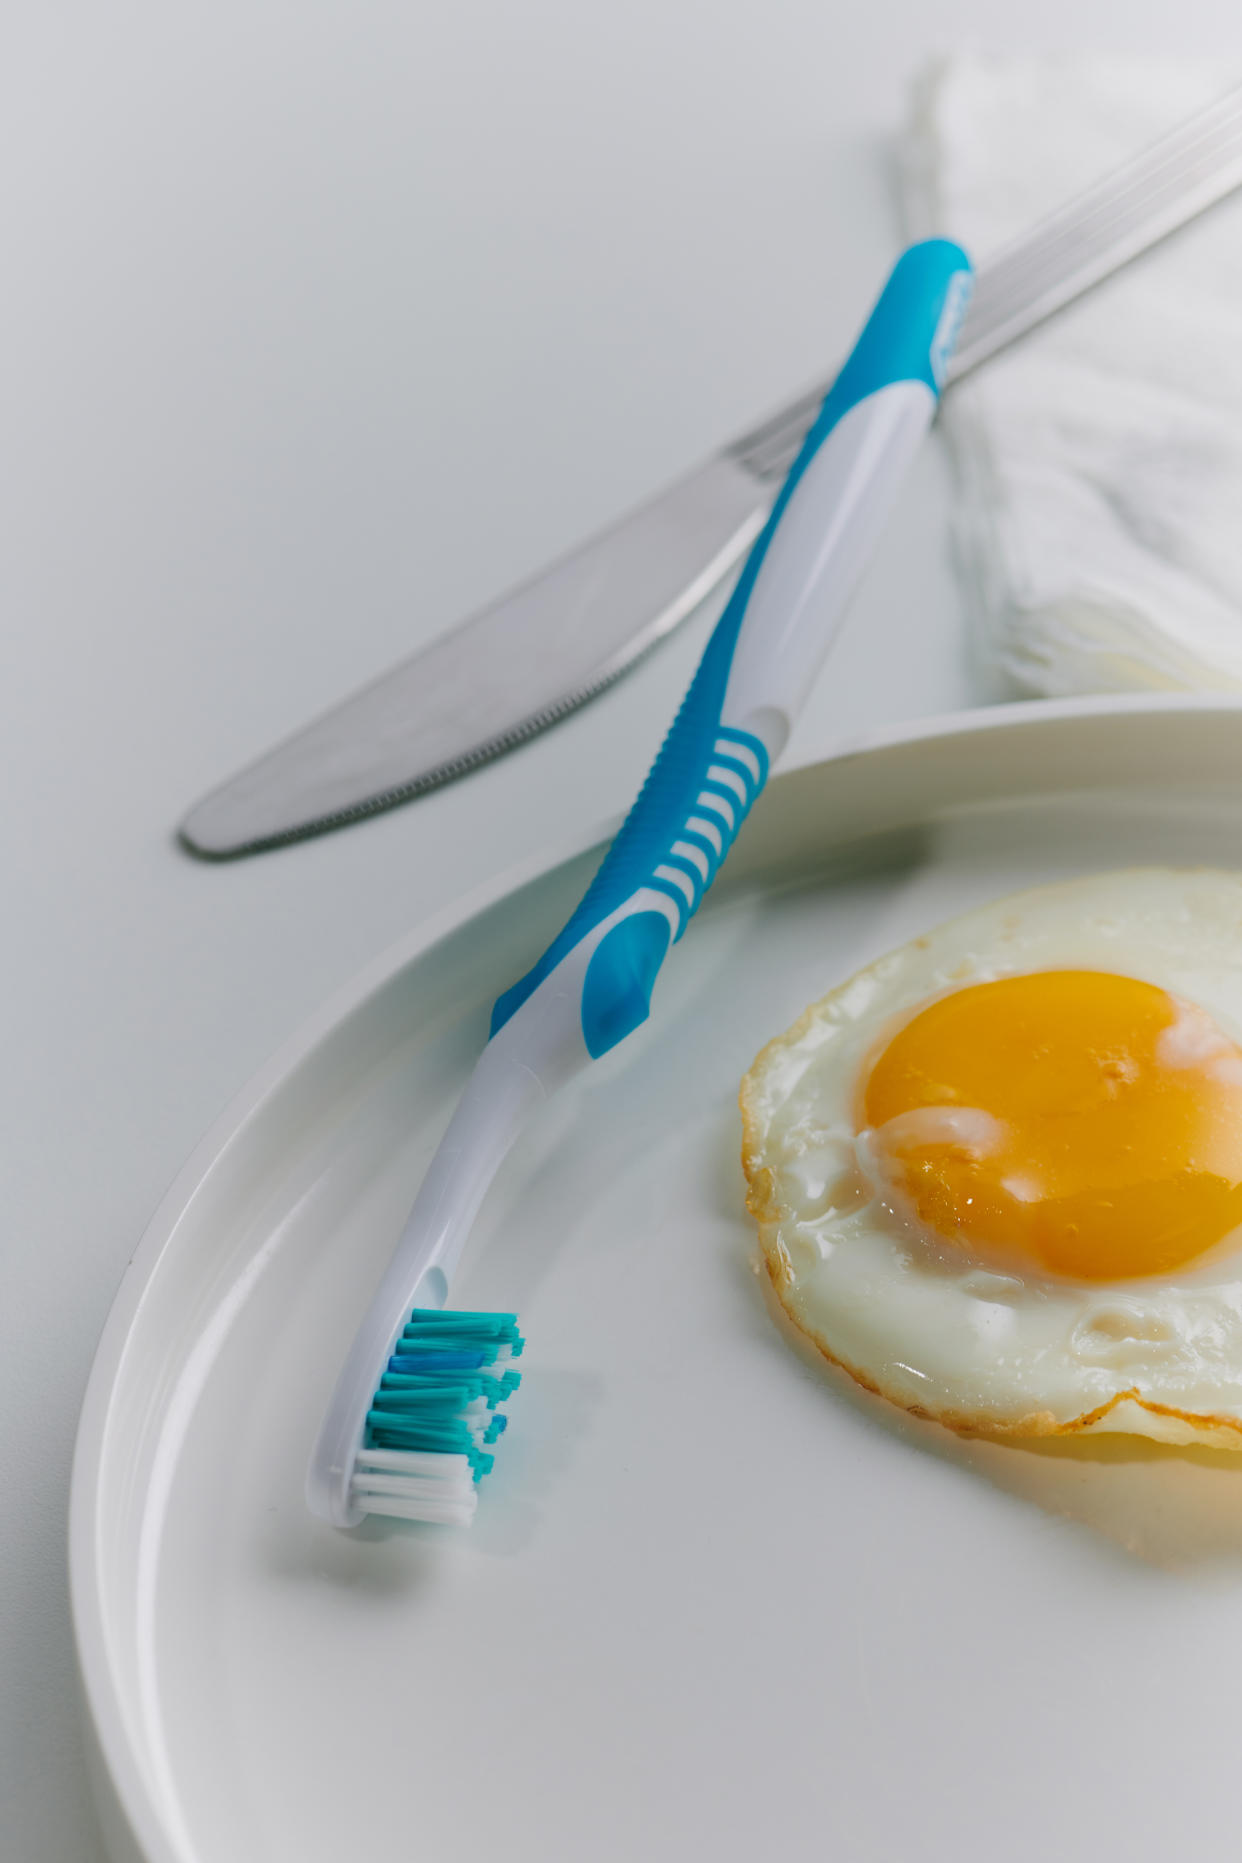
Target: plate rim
x=130, y=1812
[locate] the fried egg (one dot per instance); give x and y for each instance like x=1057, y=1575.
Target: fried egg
x=998, y=1173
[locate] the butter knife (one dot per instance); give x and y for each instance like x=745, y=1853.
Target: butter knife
x=515, y=667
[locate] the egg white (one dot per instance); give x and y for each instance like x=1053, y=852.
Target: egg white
x=920, y=1320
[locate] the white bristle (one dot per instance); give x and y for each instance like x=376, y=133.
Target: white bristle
x=411, y=1462
x=437, y=1513
x=411, y=1486
x=415, y=1485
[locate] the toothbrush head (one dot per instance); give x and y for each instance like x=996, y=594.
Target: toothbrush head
x=435, y=1415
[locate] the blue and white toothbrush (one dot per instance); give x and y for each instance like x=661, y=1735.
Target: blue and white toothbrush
x=419, y=1398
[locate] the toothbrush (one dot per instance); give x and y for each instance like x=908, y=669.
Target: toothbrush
x=418, y=1404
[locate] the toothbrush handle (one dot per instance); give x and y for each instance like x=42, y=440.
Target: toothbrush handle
x=760, y=661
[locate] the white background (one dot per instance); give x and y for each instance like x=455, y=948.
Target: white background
x=321, y=324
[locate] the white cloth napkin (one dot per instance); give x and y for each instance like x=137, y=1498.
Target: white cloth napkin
x=1099, y=527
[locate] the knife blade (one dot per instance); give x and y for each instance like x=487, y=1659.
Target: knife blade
x=545, y=648
x=498, y=677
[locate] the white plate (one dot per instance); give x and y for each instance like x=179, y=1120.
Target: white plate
x=716, y=1602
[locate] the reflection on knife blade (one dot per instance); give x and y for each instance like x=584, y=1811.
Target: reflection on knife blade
x=505, y=673
x=539, y=652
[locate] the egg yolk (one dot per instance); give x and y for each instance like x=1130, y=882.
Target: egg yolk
x=1085, y=1123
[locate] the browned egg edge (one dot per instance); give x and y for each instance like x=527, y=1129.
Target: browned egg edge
x=763, y=1203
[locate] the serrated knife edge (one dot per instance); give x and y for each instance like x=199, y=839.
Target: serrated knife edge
x=518, y=733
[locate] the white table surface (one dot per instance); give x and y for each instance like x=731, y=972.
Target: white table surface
x=321, y=324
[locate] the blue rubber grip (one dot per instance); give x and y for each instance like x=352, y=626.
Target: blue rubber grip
x=906, y=338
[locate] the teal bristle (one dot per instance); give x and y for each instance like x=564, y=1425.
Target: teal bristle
x=443, y=1386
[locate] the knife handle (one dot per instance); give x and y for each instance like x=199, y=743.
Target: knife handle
x=593, y=984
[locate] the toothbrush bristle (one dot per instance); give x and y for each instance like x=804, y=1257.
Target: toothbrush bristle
x=437, y=1410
